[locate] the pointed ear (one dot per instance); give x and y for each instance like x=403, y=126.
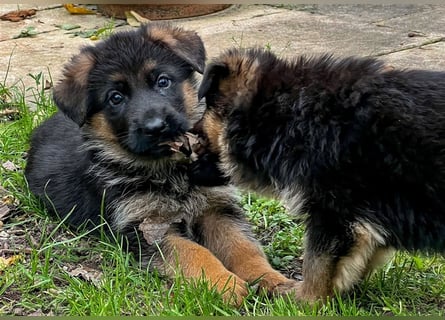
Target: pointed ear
x=210, y=81
x=71, y=93
x=185, y=44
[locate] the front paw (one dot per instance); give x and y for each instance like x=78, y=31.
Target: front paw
x=295, y=290
x=205, y=171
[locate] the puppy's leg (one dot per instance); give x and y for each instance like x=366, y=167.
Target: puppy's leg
x=228, y=236
x=197, y=262
x=367, y=252
x=338, y=256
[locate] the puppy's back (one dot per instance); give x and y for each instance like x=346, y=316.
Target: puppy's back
x=55, y=146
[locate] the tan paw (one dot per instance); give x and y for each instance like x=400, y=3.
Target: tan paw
x=290, y=287
x=233, y=289
x=296, y=290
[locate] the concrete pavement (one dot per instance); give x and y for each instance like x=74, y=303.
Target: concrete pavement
x=411, y=36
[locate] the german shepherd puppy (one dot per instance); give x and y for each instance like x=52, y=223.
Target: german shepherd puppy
x=107, y=154
x=357, y=148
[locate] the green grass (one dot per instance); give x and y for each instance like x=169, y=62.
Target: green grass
x=41, y=282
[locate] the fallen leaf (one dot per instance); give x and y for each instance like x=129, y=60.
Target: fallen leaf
x=134, y=19
x=188, y=145
x=139, y=17
x=7, y=262
x=131, y=20
x=154, y=229
x=10, y=166
x=9, y=113
x=4, y=211
x=40, y=313
x=84, y=33
x=8, y=199
x=48, y=85
x=27, y=32
x=67, y=26
x=71, y=8
x=86, y=273
x=18, y=15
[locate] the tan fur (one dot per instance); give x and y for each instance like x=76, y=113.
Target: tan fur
x=213, y=128
x=239, y=254
x=352, y=268
x=79, y=69
x=242, y=82
x=197, y=262
x=72, y=89
x=148, y=67
x=102, y=128
x=164, y=35
x=191, y=102
x=317, y=274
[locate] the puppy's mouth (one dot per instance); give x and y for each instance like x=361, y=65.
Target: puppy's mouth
x=188, y=145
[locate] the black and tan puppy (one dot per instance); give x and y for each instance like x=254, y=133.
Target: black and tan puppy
x=354, y=147
x=109, y=153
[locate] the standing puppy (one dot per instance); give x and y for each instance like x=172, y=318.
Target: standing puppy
x=358, y=149
x=110, y=153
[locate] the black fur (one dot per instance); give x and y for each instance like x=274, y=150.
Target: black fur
x=361, y=142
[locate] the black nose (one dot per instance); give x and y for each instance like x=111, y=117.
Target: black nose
x=154, y=126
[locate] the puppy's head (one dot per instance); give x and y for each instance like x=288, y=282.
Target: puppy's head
x=231, y=82
x=135, y=89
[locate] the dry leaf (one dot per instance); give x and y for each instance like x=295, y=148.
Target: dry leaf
x=7, y=262
x=131, y=20
x=188, y=146
x=154, y=230
x=29, y=31
x=86, y=273
x=4, y=211
x=48, y=85
x=71, y=8
x=18, y=15
x=134, y=19
x=10, y=166
x=8, y=199
x=40, y=313
x=9, y=113
x=138, y=17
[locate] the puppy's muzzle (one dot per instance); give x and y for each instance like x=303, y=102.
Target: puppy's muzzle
x=154, y=126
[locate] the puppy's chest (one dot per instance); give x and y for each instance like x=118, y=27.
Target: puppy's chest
x=162, y=196
x=156, y=208
x=124, y=178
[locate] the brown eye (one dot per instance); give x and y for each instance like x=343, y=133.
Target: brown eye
x=164, y=82
x=115, y=98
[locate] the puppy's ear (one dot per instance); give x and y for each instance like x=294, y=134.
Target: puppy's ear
x=210, y=81
x=71, y=93
x=185, y=44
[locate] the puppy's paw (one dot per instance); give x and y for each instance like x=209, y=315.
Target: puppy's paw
x=205, y=172
x=233, y=289
x=290, y=287
x=295, y=290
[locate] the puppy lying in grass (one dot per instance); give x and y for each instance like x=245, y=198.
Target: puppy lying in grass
x=115, y=152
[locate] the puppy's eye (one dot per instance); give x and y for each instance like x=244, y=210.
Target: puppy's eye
x=115, y=98
x=164, y=82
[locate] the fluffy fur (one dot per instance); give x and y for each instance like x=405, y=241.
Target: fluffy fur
x=103, y=157
x=354, y=147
